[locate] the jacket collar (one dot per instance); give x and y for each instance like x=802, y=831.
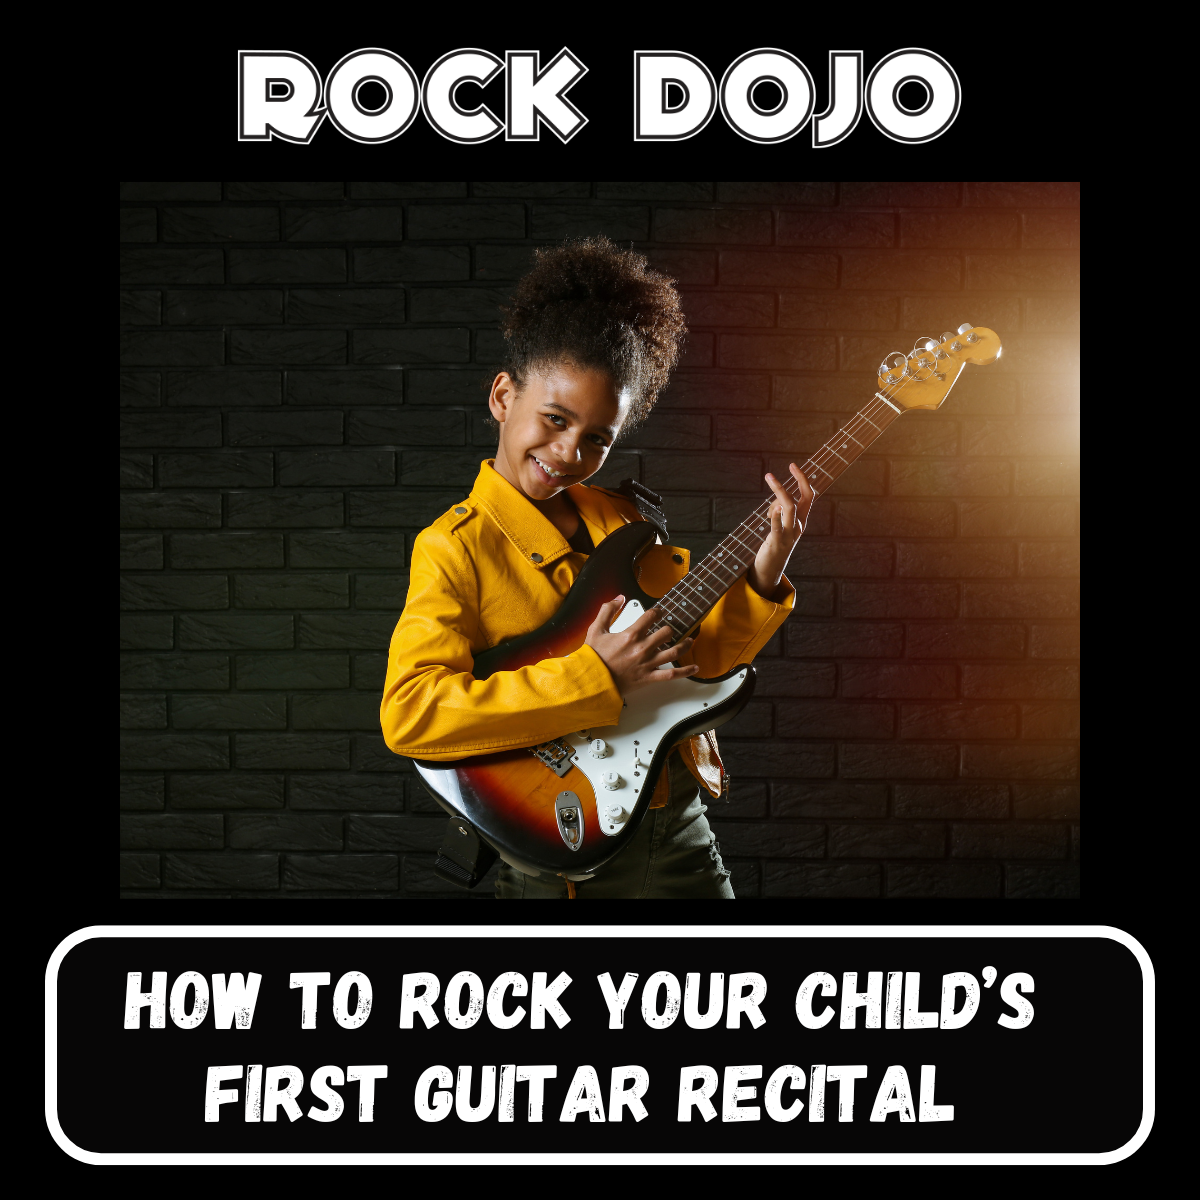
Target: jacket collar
x=534, y=535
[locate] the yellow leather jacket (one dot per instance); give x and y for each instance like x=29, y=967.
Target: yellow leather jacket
x=475, y=581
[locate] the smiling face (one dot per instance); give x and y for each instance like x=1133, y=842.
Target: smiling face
x=557, y=430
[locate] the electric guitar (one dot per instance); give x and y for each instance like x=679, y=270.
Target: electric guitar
x=568, y=806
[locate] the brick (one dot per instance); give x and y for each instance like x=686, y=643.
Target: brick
x=292, y=751
x=372, y=754
x=1023, y=272
x=380, y=591
x=226, y=872
x=758, y=268
x=225, y=307
x=146, y=632
x=618, y=466
x=347, y=550
x=1018, y=518
x=345, y=306
x=1059, y=722
x=139, y=225
x=140, y=308
x=817, y=310
x=346, y=710
x=956, y=560
x=843, y=639
x=827, y=719
x=245, y=468
x=790, y=352
x=821, y=881
x=729, y=308
x=824, y=800
x=292, y=671
x=143, y=712
x=968, y=230
x=767, y=431
x=545, y=188
x=411, y=345
x=284, y=191
x=901, y=195
x=137, y=470
x=1047, y=478
x=959, y=640
x=621, y=222
x=172, y=266
x=898, y=680
x=345, y=387
x=886, y=841
x=201, y=348
x=142, y=792
x=1054, y=641
x=1046, y=801
x=447, y=387
x=174, y=752
x=229, y=712
x=400, y=833
x=349, y=631
x=952, y=800
x=176, y=673
x=341, y=872
x=779, y=839
x=1027, y=882
x=640, y=190
x=697, y=350
x=174, y=591
x=778, y=760
x=284, y=510
x=348, y=223
x=292, y=590
x=846, y=560
x=1042, y=682
x=370, y=671
x=285, y=427
x=290, y=265
x=1020, y=438
x=139, y=389
x=891, y=761
x=894, y=518
x=688, y=514
x=944, y=881
x=323, y=468
x=170, y=429
x=466, y=221
x=472, y=304
x=1022, y=195
x=916, y=272
x=227, y=790
x=1050, y=230
x=776, y=193
x=170, y=191
x=708, y=391
x=235, y=631
x=503, y=262
x=958, y=721
x=949, y=478
x=998, y=312
x=407, y=427
x=220, y=224
x=1021, y=600
x=284, y=831
x=308, y=347
x=856, y=229
x=720, y=473
x=1049, y=559
x=860, y=599
x=724, y=225
x=202, y=551
x=839, y=394
x=686, y=267
x=1052, y=313
x=1010, y=840
x=406, y=191
x=139, y=871
x=405, y=507
x=186, y=510
x=345, y=792
x=225, y=388
x=412, y=264
x=754, y=721
x=1020, y=762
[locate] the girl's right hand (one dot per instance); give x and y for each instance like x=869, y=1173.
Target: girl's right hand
x=635, y=654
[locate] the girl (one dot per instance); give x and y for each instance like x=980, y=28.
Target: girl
x=592, y=334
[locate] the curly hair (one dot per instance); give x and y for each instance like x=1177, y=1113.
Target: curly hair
x=592, y=304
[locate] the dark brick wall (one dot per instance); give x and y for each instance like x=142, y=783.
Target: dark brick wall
x=301, y=388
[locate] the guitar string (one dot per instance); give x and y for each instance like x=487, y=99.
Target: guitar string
x=757, y=525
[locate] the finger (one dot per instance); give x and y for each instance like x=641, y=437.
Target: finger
x=642, y=624
x=671, y=652
x=607, y=613
x=806, y=489
x=674, y=673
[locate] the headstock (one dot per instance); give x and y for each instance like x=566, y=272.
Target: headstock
x=923, y=378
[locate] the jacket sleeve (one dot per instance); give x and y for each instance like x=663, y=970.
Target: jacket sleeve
x=738, y=627
x=434, y=708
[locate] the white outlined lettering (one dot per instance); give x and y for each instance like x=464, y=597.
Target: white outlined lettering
x=440, y=102
x=943, y=100
x=265, y=109
x=537, y=96
x=653, y=70
x=788, y=117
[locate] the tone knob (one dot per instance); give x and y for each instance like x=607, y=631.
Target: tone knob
x=612, y=780
x=614, y=812
x=600, y=748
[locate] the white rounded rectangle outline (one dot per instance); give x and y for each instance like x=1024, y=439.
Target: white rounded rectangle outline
x=575, y=1157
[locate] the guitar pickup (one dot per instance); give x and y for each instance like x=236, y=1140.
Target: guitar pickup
x=554, y=755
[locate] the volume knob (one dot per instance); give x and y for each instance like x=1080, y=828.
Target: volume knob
x=600, y=748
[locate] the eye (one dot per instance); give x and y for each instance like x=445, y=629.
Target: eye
x=601, y=442
x=560, y=421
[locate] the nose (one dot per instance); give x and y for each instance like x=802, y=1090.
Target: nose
x=567, y=447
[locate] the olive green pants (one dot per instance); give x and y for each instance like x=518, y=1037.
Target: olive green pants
x=673, y=856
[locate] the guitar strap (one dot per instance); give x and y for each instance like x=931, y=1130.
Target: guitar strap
x=465, y=858
x=648, y=504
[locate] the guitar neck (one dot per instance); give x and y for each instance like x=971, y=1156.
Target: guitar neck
x=692, y=598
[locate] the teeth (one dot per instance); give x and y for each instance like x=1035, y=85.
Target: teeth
x=548, y=470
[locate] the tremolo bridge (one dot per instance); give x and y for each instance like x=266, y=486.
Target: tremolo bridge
x=554, y=755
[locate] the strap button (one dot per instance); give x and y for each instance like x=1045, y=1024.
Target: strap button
x=677, y=558
x=536, y=557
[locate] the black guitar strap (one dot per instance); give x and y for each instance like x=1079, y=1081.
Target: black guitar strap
x=465, y=858
x=648, y=503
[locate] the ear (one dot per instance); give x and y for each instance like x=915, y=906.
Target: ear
x=503, y=395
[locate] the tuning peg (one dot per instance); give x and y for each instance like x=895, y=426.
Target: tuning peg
x=946, y=337
x=925, y=343
x=965, y=328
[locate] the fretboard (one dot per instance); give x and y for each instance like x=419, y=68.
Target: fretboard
x=690, y=600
